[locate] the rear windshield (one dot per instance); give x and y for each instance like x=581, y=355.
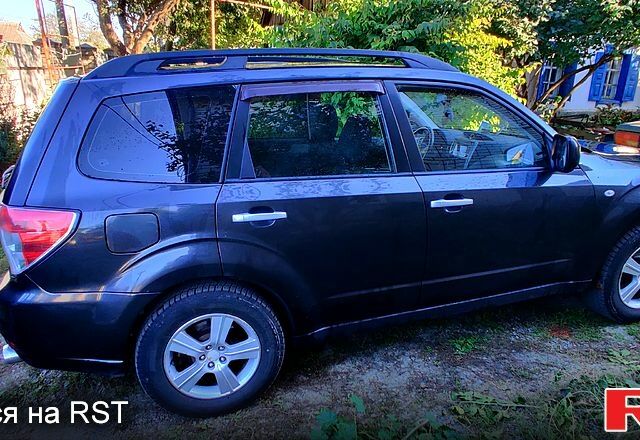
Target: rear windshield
x=173, y=136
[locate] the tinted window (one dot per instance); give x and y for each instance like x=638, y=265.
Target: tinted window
x=317, y=135
x=175, y=136
x=460, y=130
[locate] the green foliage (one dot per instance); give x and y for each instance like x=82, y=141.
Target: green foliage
x=9, y=142
x=332, y=426
x=573, y=29
x=348, y=104
x=190, y=26
x=14, y=132
x=633, y=330
x=458, y=32
x=466, y=344
x=500, y=41
x=612, y=116
x=482, y=411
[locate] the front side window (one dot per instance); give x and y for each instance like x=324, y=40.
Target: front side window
x=173, y=136
x=462, y=130
x=317, y=134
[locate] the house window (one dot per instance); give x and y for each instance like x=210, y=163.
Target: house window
x=549, y=75
x=611, y=79
x=615, y=81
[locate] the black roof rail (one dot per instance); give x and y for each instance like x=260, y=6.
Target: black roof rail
x=197, y=60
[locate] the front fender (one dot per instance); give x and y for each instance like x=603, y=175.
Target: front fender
x=619, y=214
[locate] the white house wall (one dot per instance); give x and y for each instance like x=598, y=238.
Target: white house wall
x=579, y=101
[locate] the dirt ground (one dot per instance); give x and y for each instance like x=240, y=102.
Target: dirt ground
x=535, y=370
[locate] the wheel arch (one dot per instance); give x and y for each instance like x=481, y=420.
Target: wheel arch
x=622, y=217
x=282, y=311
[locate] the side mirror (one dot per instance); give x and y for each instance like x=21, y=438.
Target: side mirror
x=565, y=153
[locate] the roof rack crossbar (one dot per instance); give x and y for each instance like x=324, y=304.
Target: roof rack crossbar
x=196, y=60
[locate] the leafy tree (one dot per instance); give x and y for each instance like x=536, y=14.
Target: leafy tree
x=570, y=31
x=138, y=20
x=190, y=23
x=459, y=32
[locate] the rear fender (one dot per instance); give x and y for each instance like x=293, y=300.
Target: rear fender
x=168, y=267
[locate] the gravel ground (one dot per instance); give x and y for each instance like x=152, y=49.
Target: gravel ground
x=533, y=370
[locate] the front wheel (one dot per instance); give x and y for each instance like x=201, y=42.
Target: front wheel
x=210, y=349
x=617, y=295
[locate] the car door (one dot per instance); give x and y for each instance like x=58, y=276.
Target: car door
x=500, y=219
x=319, y=204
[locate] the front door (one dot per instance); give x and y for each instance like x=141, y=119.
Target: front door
x=319, y=204
x=499, y=218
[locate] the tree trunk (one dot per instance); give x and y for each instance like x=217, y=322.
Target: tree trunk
x=106, y=26
x=564, y=99
x=135, y=38
x=531, y=79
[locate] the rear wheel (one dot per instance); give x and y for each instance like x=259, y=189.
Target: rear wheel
x=618, y=292
x=210, y=349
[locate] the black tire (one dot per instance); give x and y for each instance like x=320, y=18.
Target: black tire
x=189, y=303
x=605, y=299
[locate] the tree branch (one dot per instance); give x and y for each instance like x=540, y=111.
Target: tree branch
x=565, y=98
x=591, y=67
x=156, y=16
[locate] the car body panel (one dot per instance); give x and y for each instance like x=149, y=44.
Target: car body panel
x=520, y=232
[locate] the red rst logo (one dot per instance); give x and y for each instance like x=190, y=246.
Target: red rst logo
x=617, y=408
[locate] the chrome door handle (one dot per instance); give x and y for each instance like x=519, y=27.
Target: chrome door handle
x=451, y=203
x=258, y=217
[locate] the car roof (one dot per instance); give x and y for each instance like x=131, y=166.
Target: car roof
x=169, y=63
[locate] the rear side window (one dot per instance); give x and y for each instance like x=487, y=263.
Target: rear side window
x=174, y=136
x=317, y=134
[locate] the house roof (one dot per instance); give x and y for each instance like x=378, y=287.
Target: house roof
x=11, y=32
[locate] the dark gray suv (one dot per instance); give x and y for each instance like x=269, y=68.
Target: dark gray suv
x=188, y=213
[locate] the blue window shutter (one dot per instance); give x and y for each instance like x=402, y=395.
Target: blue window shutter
x=597, y=80
x=541, y=90
x=567, y=85
x=628, y=78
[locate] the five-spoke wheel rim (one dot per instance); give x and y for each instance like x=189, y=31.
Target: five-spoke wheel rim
x=212, y=356
x=629, y=284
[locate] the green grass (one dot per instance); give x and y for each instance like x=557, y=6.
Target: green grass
x=634, y=330
x=573, y=412
x=466, y=344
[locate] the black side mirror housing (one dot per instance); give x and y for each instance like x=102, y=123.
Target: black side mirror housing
x=565, y=153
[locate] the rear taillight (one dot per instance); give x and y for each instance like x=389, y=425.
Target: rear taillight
x=29, y=234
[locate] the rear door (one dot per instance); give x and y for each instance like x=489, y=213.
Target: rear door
x=319, y=205
x=500, y=219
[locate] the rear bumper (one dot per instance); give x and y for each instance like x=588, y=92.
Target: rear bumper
x=91, y=331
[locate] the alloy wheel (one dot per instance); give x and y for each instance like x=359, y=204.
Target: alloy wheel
x=212, y=356
x=629, y=283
